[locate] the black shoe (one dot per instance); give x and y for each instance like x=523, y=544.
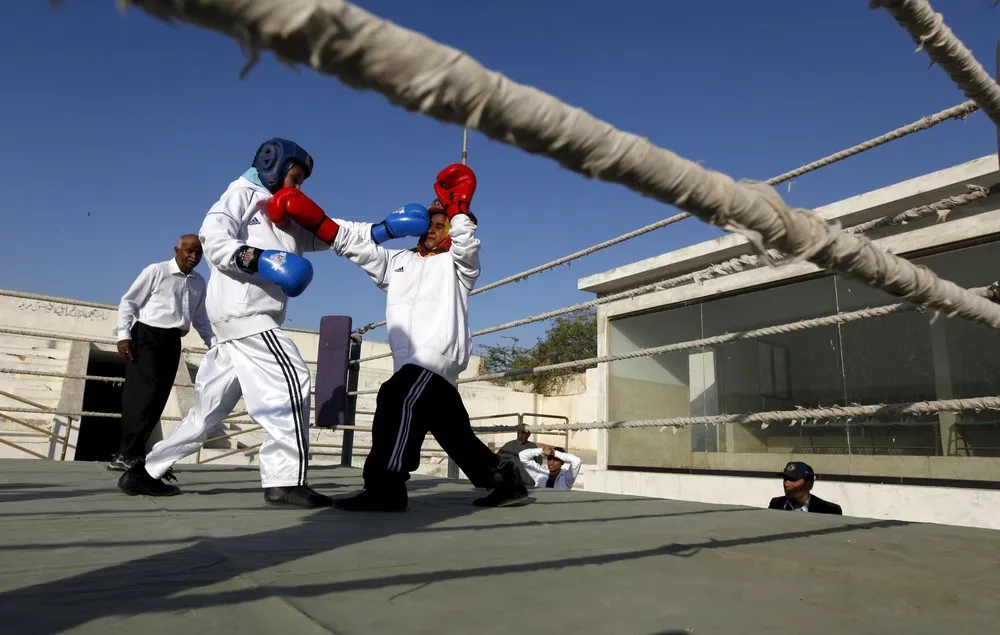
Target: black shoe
x=136, y=481
x=506, y=487
x=502, y=496
x=119, y=463
x=296, y=496
x=368, y=500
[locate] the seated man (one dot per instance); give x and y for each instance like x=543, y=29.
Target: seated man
x=552, y=476
x=512, y=449
x=799, y=478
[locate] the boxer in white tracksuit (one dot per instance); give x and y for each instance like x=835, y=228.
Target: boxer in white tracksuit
x=256, y=265
x=427, y=319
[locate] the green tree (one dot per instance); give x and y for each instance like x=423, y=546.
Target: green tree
x=571, y=337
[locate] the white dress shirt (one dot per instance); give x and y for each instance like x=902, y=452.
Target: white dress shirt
x=565, y=479
x=791, y=506
x=165, y=297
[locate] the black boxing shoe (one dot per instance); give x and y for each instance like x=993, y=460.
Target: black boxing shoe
x=506, y=487
x=503, y=496
x=136, y=481
x=296, y=496
x=374, y=500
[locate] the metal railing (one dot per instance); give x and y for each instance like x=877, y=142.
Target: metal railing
x=48, y=433
x=346, y=447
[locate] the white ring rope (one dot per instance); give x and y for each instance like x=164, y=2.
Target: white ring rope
x=418, y=74
x=928, y=30
x=118, y=415
x=31, y=372
x=941, y=208
x=90, y=339
x=799, y=325
x=961, y=111
x=734, y=265
x=793, y=416
x=557, y=262
x=766, y=331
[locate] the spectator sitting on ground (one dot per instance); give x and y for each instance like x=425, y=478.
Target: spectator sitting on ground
x=512, y=449
x=799, y=478
x=552, y=476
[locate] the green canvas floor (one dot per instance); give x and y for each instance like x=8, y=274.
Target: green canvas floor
x=76, y=556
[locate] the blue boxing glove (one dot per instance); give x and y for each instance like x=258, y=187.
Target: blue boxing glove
x=408, y=220
x=290, y=272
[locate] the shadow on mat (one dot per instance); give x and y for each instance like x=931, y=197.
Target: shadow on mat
x=172, y=581
x=515, y=525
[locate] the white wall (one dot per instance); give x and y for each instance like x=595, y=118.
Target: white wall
x=90, y=320
x=942, y=505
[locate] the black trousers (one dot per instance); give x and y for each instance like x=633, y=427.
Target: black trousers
x=149, y=377
x=413, y=402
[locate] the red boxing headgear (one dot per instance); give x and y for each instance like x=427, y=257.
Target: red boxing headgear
x=442, y=247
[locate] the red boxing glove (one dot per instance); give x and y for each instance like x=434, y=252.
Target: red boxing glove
x=290, y=202
x=455, y=186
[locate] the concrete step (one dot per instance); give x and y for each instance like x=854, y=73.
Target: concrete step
x=24, y=343
x=35, y=442
x=44, y=398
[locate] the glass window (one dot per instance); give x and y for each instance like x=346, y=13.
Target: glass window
x=887, y=359
x=651, y=387
x=777, y=372
x=900, y=357
x=969, y=365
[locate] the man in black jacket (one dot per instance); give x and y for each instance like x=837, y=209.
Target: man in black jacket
x=799, y=478
x=512, y=449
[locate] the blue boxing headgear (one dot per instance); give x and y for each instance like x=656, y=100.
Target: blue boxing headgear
x=275, y=157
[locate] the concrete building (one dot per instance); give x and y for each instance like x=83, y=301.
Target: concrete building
x=49, y=346
x=938, y=468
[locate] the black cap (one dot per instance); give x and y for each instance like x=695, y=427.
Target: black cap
x=795, y=470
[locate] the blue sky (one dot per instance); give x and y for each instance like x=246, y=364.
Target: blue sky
x=120, y=131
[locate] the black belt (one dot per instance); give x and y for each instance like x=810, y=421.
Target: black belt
x=158, y=329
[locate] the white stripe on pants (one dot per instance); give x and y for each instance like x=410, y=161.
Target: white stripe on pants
x=406, y=417
x=268, y=371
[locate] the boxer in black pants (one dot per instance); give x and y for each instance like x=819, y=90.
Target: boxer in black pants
x=427, y=311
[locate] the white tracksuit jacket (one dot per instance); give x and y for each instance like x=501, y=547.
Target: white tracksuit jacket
x=427, y=304
x=241, y=304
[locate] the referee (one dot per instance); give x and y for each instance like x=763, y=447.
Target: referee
x=154, y=314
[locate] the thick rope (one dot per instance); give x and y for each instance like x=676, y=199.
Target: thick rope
x=746, y=261
x=941, y=208
x=767, y=331
x=794, y=416
x=557, y=262
x=928, y=30
x=739, y=263
x=48, y=373
x=580, y=254
x=89, y=413
x=960, y=111
x=418, y=74
x=117, y=415
x=31, y=372
x=80, y=338
x=915, y=408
